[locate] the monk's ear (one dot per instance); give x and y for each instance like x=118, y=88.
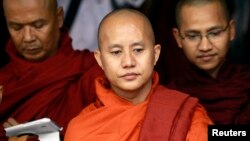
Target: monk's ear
x=157, y=51
x=97, y=54
x=60, y=16
x=232, y=29
x=177, y=36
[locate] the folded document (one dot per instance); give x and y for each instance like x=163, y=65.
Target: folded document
x=45, y=128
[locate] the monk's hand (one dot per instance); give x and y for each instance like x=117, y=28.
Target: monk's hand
x=22, y=138
x=10, y=122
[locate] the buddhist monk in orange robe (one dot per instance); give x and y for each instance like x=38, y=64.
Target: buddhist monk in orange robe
x=131, y=105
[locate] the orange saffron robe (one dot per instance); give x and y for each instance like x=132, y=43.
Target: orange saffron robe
x=112, y=118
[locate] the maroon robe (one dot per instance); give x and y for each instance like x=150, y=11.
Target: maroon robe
x=226, y=98
x=58, y=87
x=169, y=116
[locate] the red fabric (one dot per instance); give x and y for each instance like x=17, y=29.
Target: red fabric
x=168, y=116
x=58, y=87
x=226, y=98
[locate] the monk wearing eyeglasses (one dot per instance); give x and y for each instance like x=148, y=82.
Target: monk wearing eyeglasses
x=204, y=32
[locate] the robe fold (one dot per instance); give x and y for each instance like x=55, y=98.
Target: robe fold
x=112, y=118
x=58, y=87
x=226, y=98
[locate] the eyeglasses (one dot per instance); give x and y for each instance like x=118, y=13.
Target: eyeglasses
x=212, y=36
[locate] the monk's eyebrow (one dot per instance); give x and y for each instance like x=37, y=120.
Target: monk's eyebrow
x=114, y=46
x=215, y=28
x=139, y=43
x=29, y=23
x=192, y=31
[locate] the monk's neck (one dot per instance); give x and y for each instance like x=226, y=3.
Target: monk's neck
x=214, y=72
x=134, y=96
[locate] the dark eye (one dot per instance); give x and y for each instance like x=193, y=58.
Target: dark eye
x=116, y=52
x=16, y=27
x=215, y=33
x=38, y=24
x=193, y=37
x=138, y=50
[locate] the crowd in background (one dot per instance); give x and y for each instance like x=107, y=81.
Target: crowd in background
x=161, y=14
x=193, y=56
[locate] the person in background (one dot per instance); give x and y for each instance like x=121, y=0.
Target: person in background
x=45, y=77
x=204, y=32
x=131, y=105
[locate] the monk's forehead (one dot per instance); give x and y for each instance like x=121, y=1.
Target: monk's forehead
x=44, y=3
x=127, y=16
x=124, y=18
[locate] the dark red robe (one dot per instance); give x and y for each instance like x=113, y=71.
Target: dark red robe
x=226, y=98
x=58, y=87
x=169, y=116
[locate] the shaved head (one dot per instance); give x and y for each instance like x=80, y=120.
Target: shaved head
x=50, y=4
x=126, y=16
x=34, y=24
x=196, y=3
x=127, y=46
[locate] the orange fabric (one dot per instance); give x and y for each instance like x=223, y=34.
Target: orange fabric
x=199, y=127
x=22, y=138
x=112, y=118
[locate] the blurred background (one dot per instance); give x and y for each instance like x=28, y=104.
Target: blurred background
x=83, y=16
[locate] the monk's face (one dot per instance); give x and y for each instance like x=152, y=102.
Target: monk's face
x=34, y=27
x=127, y=53
x=204, y=35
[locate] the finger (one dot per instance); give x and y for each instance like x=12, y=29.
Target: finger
x=12, y=121
x=6, y=124
x=22, y=138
